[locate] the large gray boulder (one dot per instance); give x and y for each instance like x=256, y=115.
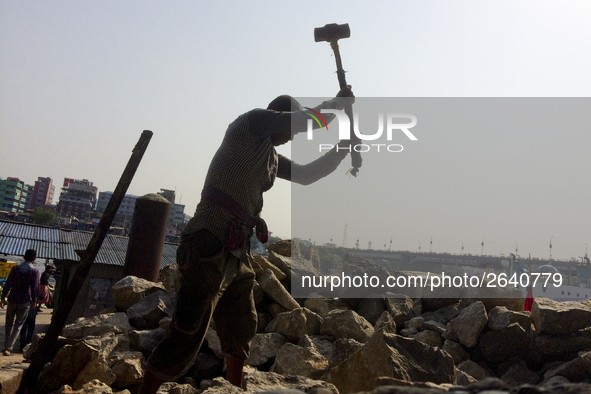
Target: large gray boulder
x=274, y=289
x=346, y=324
x=456, y=351
x=513, y=341
x=148, y=312
x=393, y=356
x=271, y=382
x=296, y=360
x=264, y=347
x=128, y=368
x=322, y=306
x=76, y=365
x=553, y=317
x=170, y=277
x=99, y=325
x=343, y=349
x=500, y=317
x=145, y=340
x=295, y=324
x=468, y=325
x=131, y=289
x=400, y=307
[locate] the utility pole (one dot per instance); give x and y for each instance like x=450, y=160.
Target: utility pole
x=344, y=243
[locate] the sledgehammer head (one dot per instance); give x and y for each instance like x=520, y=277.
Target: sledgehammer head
x=332, y=32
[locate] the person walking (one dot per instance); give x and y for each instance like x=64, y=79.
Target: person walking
x=22, y=289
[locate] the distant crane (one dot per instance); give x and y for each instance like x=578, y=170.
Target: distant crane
x=344, y=243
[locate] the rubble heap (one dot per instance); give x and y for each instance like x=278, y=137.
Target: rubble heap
x=394, y=342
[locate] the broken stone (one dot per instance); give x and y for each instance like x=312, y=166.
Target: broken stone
x=207, y=366
x=519, y=374
x=429, y=337
x=442, y=315
x=274, y=289
x=281, y=262
x=296, y=360
x=128, y=368
x=456, y=351
x=556, y=346
x=415, y=322
x=286, y=247
x=170, y=277
x=500, y=317
x=145, y=340
x=575, y=370
x=346, y=324
x=266, y=264
x=463, y=379
x=435, y=326
x=318, y=344
x=130, y=290
x=165, y=322
x=552, y=317
x=97, y=326
x=275, y=309
x=295, y=324
x=468, y=325
x=371, y=309
x=311, y=254
x=264, y=347
x=75, y=365
x=409, y=332
x=513, y=341
x=394, y=356
x=93, y=387
x=322, y=306
x=399, y=306
x=148, y=312
x=343, y=349
x=473, y=369
x=385, y=323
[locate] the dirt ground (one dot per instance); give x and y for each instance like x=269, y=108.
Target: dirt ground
x=42, y=323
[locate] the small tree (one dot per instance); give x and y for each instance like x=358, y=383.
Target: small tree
x=44, y=215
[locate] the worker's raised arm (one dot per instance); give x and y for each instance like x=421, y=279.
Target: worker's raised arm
x=305, y=174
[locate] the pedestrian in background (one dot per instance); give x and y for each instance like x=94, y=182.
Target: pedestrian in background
x=22, y=289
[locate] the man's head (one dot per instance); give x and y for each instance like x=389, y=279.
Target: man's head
x=30, y=255
x=283, y=103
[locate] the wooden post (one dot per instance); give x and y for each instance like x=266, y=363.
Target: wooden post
x=47, y=346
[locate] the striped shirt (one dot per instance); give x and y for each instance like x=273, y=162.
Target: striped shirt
x=246, y=164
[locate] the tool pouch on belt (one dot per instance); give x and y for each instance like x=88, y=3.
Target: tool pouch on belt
x=243, y=222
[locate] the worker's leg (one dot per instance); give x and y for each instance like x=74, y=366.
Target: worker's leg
x=202, y=283
x=236, y=322
x=20, y=316
x=10, y=314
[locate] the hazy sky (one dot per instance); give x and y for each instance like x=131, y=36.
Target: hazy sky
x=80, y=80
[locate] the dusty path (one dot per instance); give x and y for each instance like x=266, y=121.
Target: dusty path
x=42, y=323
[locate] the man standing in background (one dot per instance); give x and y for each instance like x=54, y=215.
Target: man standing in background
x=22, y=288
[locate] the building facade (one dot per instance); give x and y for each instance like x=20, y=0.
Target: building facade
x=43, y=192
x=13, y=195
x=77, y=198
x=126, y=208
x=177, y=211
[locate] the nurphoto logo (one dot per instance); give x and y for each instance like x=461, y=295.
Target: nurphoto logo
x=391, y=123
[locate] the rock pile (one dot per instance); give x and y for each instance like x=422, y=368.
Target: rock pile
x=388, y=344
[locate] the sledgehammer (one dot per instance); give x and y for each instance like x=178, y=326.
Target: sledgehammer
x=332, y=33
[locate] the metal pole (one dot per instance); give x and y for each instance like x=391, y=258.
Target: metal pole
x=47, y=346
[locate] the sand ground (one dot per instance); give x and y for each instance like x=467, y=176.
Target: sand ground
x=42, y=323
